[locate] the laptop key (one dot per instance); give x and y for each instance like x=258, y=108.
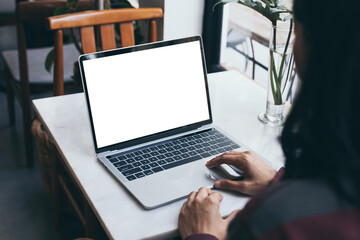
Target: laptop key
x=131, y=172
x=140, y=175
x=131, y=160
x=145, y=162
x=223, y=144
x=148, y=172
x=228, y=148
x=131, y=177
x=200, y=151
x=169, y=149
x=184, y=150
x=192, y=153
x=158, y=169
x=119, y=164
x=221, y=150
x=234, y=146
x=153, y=165
x=130, y=155
x=191, y=148
x=212, y=142
x=169, y=160
x=205, y=155
x=176, y=153
x=214, y=152
x=125, y=168
x=168, y=154
x=153, y=148
x=185, y=155
x=161, y=157
x=145, y=167
x=184, y=145
x=154, y=153
x=113, y=160
x=177, y=158
x=146, y=155
x=205, y=144
x=138, y=153
x=162, y=151
x=145, y=150
x=153, y=159
x=137, y=164
x=162, y=162
x=122, y=157
x=182, y=162
x=138, y=158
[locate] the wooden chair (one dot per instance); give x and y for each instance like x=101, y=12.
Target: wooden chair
x=105, y=20
x=24, y=67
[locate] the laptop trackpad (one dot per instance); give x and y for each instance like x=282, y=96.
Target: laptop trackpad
x=171, y=185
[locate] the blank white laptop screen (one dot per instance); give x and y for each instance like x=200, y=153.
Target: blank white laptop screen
x=140, y=93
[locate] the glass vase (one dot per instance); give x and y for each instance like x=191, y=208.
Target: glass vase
x=280, y=73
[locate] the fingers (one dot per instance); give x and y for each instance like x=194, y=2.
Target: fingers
x=239, y=186
x=203, y=193
x=192, y=196
x=216, y=196
x=232, y=158
x=232, y=216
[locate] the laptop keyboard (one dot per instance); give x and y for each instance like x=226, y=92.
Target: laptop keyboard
x=166, y=155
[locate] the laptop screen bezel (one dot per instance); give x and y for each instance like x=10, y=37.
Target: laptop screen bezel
x=155, y=136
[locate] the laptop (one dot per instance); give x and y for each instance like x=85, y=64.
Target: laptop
x=151, y=121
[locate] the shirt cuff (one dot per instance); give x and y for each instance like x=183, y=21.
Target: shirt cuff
x=278, y=176
x=201, y=236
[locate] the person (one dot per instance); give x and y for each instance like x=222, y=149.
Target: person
x=317, y=196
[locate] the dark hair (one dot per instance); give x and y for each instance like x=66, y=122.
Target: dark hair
x=321, y=136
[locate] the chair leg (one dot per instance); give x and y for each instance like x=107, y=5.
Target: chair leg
x=28, y=136
x=10, y=99
x=56, y=192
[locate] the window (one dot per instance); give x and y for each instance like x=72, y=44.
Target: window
x=243, y=39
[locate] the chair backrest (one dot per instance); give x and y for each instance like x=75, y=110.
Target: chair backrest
x=106, y=20
x=36, y=12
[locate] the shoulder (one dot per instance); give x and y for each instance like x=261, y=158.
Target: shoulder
x=287, y=202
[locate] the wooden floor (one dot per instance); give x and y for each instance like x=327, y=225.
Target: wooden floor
x=25, y=208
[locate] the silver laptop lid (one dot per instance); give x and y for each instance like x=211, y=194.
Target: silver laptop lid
x=143, y=93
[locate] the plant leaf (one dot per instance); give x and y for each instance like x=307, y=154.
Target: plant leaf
x=49, y=60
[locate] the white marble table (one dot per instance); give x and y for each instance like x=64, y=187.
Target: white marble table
x=236, y=102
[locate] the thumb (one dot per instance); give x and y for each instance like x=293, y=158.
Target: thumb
x=237, y=186
x=232, y=216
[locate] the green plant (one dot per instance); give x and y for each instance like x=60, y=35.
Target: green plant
x=274, y=11
x=71, y=7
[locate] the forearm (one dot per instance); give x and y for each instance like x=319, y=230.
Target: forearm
x=201, y=236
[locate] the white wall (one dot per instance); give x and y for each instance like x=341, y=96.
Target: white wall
x=182, y=18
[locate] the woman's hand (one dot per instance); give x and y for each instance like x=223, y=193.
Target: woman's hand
x=200, y=214
x=257, y=174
